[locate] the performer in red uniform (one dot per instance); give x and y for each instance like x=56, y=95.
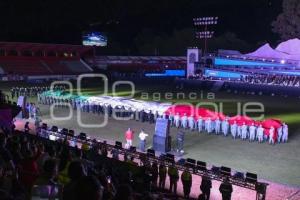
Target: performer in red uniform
x=129, y=138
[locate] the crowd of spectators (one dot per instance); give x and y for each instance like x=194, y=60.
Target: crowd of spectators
x=268, y=79
x=263, y=79
x=32, y=167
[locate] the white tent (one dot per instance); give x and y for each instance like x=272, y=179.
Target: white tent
x=266, y=51
x=288, y=50
x=290, y=47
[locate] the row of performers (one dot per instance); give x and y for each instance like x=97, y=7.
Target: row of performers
x=33, y=91
x=251, y=132
x=244, y=131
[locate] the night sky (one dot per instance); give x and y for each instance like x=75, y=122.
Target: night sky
x=63, y=21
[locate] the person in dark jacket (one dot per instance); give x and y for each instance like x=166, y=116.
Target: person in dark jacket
x=154, y=174
x=205, y=187
x=162, y=176
x=226, y=189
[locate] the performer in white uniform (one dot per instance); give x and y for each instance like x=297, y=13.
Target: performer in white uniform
x=285, y=131
x=252, y=130
x=208, y=125
x=244, y=131
x=191, y=122
x=177, y=120
x=239, y=131
x=260, y=134
x=184, y=121
x=200, y=124
x=217, y=126
x=225, y=126
x=279, y=131
x=271, y=135
x=233, y=129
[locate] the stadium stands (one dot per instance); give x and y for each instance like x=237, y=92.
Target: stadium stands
x=28, y=66
x=141, y=63
x=42, y=59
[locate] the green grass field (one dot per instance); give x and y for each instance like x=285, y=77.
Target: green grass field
x=279, y=163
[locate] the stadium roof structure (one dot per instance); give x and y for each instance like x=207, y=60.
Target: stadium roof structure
x=35, y=47
x=133, y=59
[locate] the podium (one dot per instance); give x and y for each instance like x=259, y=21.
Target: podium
x=22, y=103
x=161, y=138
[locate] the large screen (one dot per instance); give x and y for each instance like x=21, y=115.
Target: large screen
x=94, y=39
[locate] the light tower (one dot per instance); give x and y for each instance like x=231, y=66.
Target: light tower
x=203, y=32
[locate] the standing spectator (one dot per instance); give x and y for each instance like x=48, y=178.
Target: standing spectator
x=115, y=153
x=186, y=179
x=37, y=122
x=162, y=176
x=26, y=128
x=205, y=187
x=154, y=173
x=174, y=176
x=226, y=189
x=104, y=149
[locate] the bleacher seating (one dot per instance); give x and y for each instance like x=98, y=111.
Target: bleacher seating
x=26, y=66
x=76, y=66
x=37, y=59
x=38, y=66
x=57, y=67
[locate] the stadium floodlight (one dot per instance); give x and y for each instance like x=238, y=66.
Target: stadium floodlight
x=205, y=34
x=203, y=21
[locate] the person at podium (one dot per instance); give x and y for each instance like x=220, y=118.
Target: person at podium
x=142, y=137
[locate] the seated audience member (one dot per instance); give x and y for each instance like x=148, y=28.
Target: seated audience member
x=43, y=157
x=10, y=187
x=49, y=173
x=88, y=187
x=28, y=169
x=46, y=185
x=87, y=164
x=5, y=154
x=75, y=172
x=124, y=192
x=64, y=162
x=104, y=149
